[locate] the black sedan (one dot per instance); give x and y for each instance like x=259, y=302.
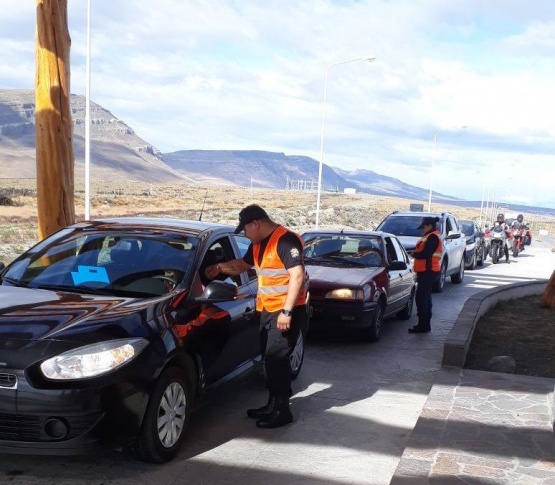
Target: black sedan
x=357, y=279
x=475, y=244
x=109, y=332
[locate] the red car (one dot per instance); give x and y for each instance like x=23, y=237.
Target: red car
x=357, y=279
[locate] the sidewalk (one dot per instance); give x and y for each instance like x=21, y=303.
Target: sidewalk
x=481, y=427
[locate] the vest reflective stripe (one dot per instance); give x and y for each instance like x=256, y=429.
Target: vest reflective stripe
x=268, y=290
x=273, y=278
x=421, y=265
x=273, y=272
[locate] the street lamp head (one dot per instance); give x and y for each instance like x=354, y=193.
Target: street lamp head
x=368, y=59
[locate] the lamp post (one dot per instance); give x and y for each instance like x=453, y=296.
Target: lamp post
x=433, y=163
x=321, y=164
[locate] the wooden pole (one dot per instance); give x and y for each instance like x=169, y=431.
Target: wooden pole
x=54, y=125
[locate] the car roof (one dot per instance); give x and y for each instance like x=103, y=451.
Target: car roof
x=417, y=214
x=166, y=223
x=350, y=232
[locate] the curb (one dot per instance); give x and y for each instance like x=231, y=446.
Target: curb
x=458, y=341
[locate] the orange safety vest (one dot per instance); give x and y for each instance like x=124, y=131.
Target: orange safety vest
x=420, y=264
x=273, y=278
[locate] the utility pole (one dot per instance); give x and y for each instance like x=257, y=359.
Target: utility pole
x=54, y=125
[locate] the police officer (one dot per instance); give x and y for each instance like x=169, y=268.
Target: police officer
x=427, y=266
x=277, y=255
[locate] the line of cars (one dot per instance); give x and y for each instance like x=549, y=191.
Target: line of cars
x=109, y=332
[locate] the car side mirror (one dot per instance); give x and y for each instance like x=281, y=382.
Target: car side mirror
x=217, y=291
x=453, y=235
x=397, y=266
x=480, y=234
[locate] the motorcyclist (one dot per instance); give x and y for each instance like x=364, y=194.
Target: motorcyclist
x=517, y=225
x=500, y=221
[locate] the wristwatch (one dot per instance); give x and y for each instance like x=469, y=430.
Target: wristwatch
x=286, y=312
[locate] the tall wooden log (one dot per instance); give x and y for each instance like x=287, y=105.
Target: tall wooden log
x=54, y=126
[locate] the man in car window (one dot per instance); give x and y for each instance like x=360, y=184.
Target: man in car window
x=277, y=255
x=427, y=265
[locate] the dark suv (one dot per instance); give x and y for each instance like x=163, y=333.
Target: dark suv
x=405, y=226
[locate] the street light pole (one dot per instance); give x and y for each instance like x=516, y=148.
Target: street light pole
x=321, y=164
x=433, y=163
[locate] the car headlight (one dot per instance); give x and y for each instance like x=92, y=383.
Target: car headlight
x=92, y=360
x=345, y=294
x=471, y=246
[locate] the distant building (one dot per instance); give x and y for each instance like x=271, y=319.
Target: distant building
x=349, y=191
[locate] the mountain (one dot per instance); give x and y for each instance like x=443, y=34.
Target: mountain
x=116, y=151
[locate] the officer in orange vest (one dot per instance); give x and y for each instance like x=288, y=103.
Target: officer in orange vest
x=277, y=255
x=427, y=265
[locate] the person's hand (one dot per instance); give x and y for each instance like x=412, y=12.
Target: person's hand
x=212, y=271
x=283, y=322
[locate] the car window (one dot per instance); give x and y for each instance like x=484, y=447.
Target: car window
x=219, y=252
x=467, y=228
x=358, y=250
x=114, y=261
x=403, y=225
x=243, y=244
x=401, y=253
x=453, y=223
x=391, y=251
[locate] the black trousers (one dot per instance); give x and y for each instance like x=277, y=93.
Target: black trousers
x=423, y=298
x=277, y=347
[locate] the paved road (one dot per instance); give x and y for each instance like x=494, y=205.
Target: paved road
x=356, y=405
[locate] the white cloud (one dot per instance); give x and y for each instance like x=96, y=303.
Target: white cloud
x=249, y=75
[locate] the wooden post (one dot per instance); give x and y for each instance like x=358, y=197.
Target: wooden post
x=54, y=125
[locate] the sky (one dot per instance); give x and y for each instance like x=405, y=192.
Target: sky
x=252, y=75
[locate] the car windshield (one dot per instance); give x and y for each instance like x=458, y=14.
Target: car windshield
x=467, y=227
x=352, y=250
x=105, y=261
x=403, y=225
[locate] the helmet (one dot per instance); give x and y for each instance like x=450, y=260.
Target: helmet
x=520, y=218
x=501, y=218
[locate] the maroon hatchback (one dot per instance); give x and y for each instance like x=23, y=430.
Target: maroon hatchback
x=357, y=279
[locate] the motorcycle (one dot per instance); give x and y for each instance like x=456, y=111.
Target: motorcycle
x=518, y=235
x=498, y=245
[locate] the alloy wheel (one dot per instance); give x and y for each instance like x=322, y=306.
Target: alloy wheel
x=171, y=414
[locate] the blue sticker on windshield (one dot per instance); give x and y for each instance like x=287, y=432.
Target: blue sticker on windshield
x=87, y=274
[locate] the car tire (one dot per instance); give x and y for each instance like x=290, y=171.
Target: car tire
x=440, y=282
x=160, y=438
x=472, y=264
x=458, y=277
x=406, y=312
x=481, y=259
x=374, y=331
x=296, y=358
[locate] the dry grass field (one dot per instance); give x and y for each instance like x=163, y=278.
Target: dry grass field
x=218, y=204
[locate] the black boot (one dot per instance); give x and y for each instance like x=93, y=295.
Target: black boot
x=280, y=415
x=264, y=411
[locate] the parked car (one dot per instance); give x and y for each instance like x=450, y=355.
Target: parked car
x=109, y=333
x=475, y=244
x=357, y=279
x=405, y=226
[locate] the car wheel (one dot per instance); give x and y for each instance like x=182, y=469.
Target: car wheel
x=440, y=282
x=481, y=258
x=297, y=356
x=472, y=264
x=459, y=275
x=406, y=312
x=166, y=418
x=374, y=331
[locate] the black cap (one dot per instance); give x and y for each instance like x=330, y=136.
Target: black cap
x=250, y=213
x=428, y=221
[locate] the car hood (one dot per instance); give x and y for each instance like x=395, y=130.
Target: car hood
x=32, y=314
x=409, y=242
x=339, y=276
